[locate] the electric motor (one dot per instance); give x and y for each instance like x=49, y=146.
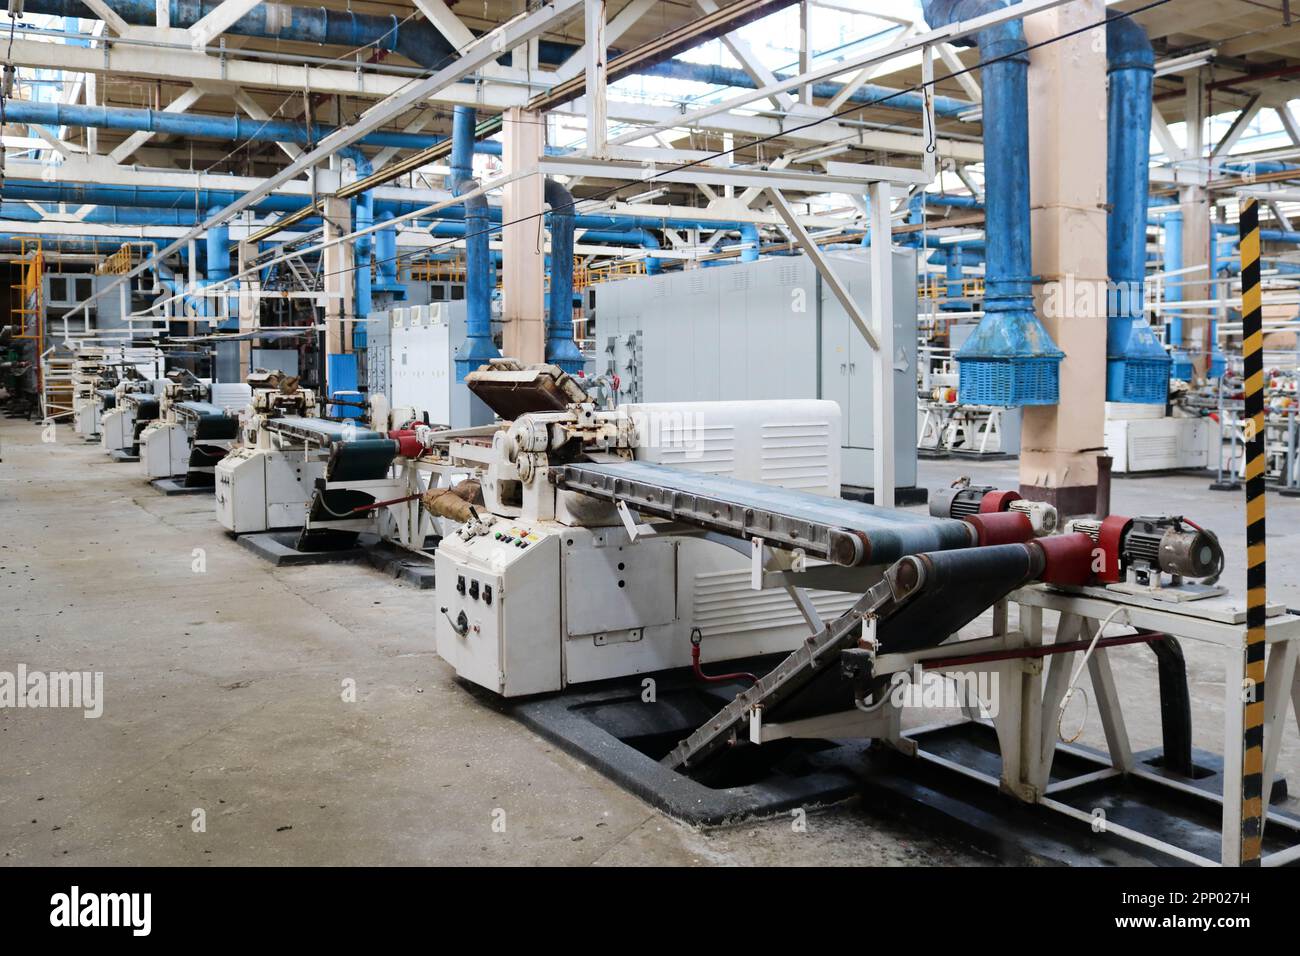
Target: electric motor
x=1152, y=544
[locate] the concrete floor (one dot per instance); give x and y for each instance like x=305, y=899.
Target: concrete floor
x=224, y=693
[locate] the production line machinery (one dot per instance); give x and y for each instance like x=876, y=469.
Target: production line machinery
x=197, y=425
x=329, y=480
x=128, y=408
x=612, y=543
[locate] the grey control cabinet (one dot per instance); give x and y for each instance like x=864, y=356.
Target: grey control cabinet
x=764, y=330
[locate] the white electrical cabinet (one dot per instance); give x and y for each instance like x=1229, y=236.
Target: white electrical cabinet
x=768, y=329
x=410, y=358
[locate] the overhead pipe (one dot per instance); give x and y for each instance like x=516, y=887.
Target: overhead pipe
x=560, y=347
x=416, y=39
x=421, y=42
x=480, y=268
x=1137, y=366
x=1010, y=359
x=716, y=75
x=201, y=125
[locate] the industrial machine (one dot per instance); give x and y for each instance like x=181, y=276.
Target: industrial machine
x=268, y=476
x=384, y=482
x=96, y=371
x=131, y=406
x=548, y=585
x=196, y=427
x=654, y=537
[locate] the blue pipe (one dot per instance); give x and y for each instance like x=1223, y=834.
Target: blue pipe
x=480, y=281
x=1137, y=366
x=560, y=347
x=716, y=75
x=751, y=241
x=1010, y=359
x=363, y=217
x=198, y=125
x=386, y=262
x=415, y=38
x=464, y=119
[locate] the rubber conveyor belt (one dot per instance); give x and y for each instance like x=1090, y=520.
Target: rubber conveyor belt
x=199, y=409
x=320, y=430
x=843, y=532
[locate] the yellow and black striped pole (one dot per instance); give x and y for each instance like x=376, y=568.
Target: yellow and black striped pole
x=1252, y=348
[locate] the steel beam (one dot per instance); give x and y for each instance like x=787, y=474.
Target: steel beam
x=484, y=50
x=220, y=19
x=953, y=31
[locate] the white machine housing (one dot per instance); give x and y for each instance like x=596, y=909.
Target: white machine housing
x=1143, y=438
x=166, y=442
x=117, y=426
x=267, y=480
x=553, y=588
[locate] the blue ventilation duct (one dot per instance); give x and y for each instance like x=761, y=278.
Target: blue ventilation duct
x=750, y=242
x=1181, y=362
x=1137, y=366
x=463, y=122
x=1009, y=360
x=560, y=347
x=386, y=262
x=217, y=267
x=480, y=268
x=363, y=217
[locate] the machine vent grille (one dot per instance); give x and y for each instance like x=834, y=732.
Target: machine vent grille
x=739, y=279
x=796, y=454
x=699, y=283
x=1154, y=452
x=724, y=603
x=697, y=447
x=788, y=274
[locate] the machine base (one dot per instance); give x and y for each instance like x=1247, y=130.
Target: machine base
x=123, y=456
x=1225, y=486
x=278, y=548
x=610, y=727
x=903, y=497
x=415, y=569
x=177, y=486
x=933, y=790
x=983, y=455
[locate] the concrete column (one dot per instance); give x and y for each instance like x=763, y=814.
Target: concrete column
x=339, y=272
x=1059, y=444
x=523, y=262
x=248, y=303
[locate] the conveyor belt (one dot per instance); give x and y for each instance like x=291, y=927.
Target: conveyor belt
x=843, y=532
x=199, y=409
x=320, y=430
x=920, y=603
